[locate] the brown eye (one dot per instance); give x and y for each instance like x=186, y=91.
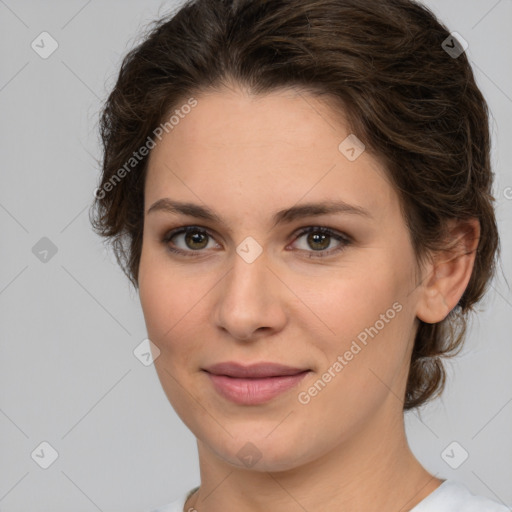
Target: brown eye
x=187, y=240
x=318, y=239
x=196, y=240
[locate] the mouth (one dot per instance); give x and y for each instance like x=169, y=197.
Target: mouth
x=254, y=384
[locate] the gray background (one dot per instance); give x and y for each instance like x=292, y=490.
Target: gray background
x=68, y=326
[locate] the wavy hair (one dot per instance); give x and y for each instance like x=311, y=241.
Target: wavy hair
x=384, y=62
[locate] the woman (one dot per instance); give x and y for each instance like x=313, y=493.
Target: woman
x=301, y=192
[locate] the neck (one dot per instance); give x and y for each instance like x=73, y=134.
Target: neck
x=374, y=471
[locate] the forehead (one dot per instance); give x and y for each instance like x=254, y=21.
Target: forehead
x=236, y=117
x=276, y=146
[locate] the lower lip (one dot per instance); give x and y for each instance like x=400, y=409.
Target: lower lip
x=254, y=391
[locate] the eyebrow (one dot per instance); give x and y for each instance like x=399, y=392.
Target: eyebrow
x=282, y=216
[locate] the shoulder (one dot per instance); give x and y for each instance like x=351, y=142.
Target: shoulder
x=453, y=496
x=450, y=496
x=177, y=505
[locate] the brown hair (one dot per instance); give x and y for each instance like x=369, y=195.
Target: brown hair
x=413, y=105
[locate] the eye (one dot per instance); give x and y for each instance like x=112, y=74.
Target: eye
x=194, y=238
x=320, y=238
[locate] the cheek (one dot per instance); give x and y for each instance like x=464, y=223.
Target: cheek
x=369, y=322
x=355, y=299
x=172, y=303
x=365, y=358
x=159, y=296
x=165, y=313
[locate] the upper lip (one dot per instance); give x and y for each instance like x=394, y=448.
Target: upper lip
x=257, y=370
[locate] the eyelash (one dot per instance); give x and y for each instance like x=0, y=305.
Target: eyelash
x=344, y=239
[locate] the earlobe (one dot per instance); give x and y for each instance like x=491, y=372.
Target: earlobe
x=447, y=275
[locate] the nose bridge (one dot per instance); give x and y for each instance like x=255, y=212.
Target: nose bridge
x=245, y=283
x=248, y=299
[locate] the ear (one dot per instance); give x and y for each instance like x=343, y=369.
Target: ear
x=447, y=275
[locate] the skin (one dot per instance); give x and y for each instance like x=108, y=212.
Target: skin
x=246, y=157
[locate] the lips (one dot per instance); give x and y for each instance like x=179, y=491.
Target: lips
x=253, y=371
x=253, y=384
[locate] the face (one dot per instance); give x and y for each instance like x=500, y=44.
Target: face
x=260, y=278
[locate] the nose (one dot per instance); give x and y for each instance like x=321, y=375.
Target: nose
x=250, y=300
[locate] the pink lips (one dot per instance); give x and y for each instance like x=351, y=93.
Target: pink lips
x=253, y=384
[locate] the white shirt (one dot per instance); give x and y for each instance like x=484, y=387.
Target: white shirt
x=450, y=496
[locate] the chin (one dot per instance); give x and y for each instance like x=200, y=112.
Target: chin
x=263, y=453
